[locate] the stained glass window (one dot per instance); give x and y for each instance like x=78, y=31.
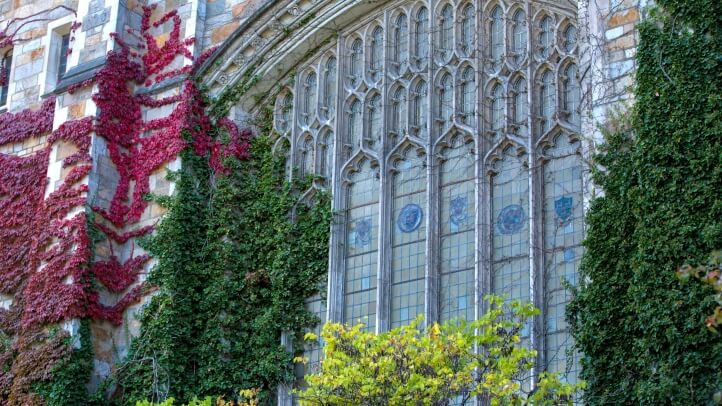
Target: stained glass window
x=375, y=119
x=309, y=98
x=548, y=101
x=563, y=236
x=329, y=86
x=521, y=106
x=570, y=38
x=355, y=62
x=497, y=108
x=446, y=100
x=419, y=109
x=457, y=224
x=398, y=111
x=306, y=166
x=354, y=124
x=408, y=237
x=325, y=152
x=362, y=225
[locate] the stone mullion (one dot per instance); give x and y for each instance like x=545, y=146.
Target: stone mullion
x=334, y=300
x=383, y=285
x=536, y=223
x=431, y=298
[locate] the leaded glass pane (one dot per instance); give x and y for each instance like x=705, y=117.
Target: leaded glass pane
x=468, y=96
x=521, y=106
x=446, y=100
x=546, y=36
x=398, y=111
x=570, y=38
x=497, y=108
x=309, y=98
x=283, y=121
x=354, y=124
x=421, y=36
x=564, y=233
x=547, y=103
x=419, y=109
x=325, y=150
x=329, y=85
x=572, y=94
x=519, y=36
x=401, y=40
x=457, y=220
x=375, y=119
x=355, y=63
x=307, y=157
x=377, y=53
x=496, y=35
x=408, y=253
x=467, y=30
x=361, y=248
x=446, y=33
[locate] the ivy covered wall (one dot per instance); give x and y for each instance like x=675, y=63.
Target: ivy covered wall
x=642, y=330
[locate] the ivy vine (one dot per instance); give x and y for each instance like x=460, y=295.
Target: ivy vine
x=237, y=257
x=641, y=330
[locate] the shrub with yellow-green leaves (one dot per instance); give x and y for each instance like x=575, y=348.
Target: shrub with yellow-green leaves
x=437, y=365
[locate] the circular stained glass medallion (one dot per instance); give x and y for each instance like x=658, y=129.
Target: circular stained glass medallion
x=511, y=219
x=410, y=218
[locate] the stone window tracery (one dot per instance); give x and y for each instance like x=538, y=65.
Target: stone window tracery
x=454, y=201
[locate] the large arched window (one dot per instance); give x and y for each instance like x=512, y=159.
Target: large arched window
x=401, y=41
x=572, y=95
x=309, y=98
x=496, y=35
x=329, y=86
x=445, y=106
x=547, y=101
x=421, y=36
x=377, y=53
x=446, y=32
x=434, y=218
x=362, y=231
x=468, y=96
x=519, y=37
x=467, y=30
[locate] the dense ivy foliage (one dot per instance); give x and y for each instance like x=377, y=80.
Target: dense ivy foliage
x=641, y=329
x=237, y=257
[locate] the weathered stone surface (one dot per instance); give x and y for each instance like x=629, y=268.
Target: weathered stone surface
x=223, y=32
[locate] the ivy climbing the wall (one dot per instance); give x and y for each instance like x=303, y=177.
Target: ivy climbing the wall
x=643, y=331
x=237, y=254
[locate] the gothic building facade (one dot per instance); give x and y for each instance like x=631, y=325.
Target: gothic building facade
x=452, y=135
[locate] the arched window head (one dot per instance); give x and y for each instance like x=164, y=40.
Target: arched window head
x=307, y=157
x=283, y=123
x=375, y=119
x=401, y=40
x=468, y=96
x=356, y=63
x=572, y=95
x=467, y=30
x=496, y=35
x=377, y=53
x=446, y=33
x=398, y=111
x=418, y=115
x=521, y=105
x=546, y=36
x=325, y=152
x=519, y=36
x=329, y=85
x=570, y=38
x=309, y=97
x=497, y=108
x=354, y=124
x=547, y=102
x=446, y=100
x=421, y=36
